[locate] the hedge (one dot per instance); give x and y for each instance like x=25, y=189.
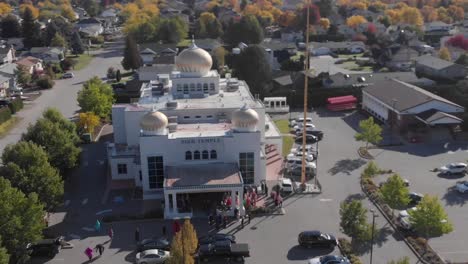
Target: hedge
x=5, y=114
x=15, y=105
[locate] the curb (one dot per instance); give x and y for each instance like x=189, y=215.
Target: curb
x=395, y=228
x=362, y=156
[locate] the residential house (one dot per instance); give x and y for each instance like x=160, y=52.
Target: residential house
x=346, y=47
x=90, y=27
x=437, y=26
x=437, y=69
x=109, y=16
x=4, y=85
x=80, y=12
x=399, y=58
x=170, y=13
x=207, y=44
x=31, y=64
x=455, y=52
x=411, y=110
x=348, y=80
x=157, y=53
x=278, y=51
x=7, y=54
x=8, y=80
x=48, y=54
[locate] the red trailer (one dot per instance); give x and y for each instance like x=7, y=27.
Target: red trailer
x=340, y=103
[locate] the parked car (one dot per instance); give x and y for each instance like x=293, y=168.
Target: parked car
x=68, y=75
x=297, y=171
x=309, y=139
x=152, y=256
x=285, y=185
x=45, y=247
x=153, y=243
x=453, y=168
x=316, y=239
x=297, y=163
x=216, y=237
x=293, y=156
x=403, y=218
x=462, y=187
x=309, y=148
x=296, y=121
x=223, y=249
x=330, y=259
x=299, y=126
x=415, y=198
x=313, y=132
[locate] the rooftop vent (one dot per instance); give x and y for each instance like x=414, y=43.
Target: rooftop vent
x=172, y=104
x=346, y=76
x=172, y=127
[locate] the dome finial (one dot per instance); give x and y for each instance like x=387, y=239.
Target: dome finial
x=193, y=46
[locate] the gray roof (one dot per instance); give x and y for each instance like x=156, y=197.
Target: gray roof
x=277, y=45
x=8, y=68
x=148, y=51
x=433, y=62
x=157, y=47
x=284, y=80
x=364, y=79
x=159, y=68
x=438, y=115
x=406, y=95
x=336, y=45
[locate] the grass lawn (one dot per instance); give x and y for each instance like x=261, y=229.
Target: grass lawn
x=6, y=126
x=346, y=56
x=81, y=61
x=283, y=126
x=288, y=142
x=352, y=66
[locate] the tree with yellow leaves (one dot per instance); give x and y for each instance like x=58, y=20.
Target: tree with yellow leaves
x=34, y=10
x=444, y=54
x=429, y=13
x=456, y=12
x=325, y=23
x=88, y=121
x=412, y=16
x=359, y=5
x=444, y=15
x=68, y=13
x=287, y=19
x=184, y=245
x=5, y=8
x=355, y=21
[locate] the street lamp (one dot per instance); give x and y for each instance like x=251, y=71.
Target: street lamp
x=374, y=215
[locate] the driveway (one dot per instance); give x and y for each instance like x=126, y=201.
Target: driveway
x=414, y=162
x=63, y=95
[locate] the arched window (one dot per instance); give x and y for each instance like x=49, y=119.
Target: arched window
x=179, y=88
x=205, y=154
x=205, y=87
x=212, y=86
x=188, y=155
x=213, y=154
x=196, y=155
x=192, y=87
x=199, y=87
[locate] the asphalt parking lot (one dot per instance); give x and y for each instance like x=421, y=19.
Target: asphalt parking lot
x=415, y=162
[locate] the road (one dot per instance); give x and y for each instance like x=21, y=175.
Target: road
x=63, y=95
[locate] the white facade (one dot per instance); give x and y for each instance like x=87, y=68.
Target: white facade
x=374, y=106
x=198, y=123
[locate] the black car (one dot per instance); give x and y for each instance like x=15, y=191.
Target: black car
x=316, y=239
x=216, y=237
x=415, y=199
x=223, y=249
x=153, y=243
x=310, y=139
x=45, y=247
x=316, y=133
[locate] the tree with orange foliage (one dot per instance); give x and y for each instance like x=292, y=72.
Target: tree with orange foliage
x=355, y=21
x=287, y=19
x=325, y=23
x=456, y=12
x=429, y=13
x=34, y=10
x=443, y=15
x=5, y=9
x=360, y=5
x=412, y=16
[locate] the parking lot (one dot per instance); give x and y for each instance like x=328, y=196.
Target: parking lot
x=415, y=162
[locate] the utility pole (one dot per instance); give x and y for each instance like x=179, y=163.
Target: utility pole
x=306, y=81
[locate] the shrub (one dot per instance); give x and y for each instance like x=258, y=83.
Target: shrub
x=354, y=259
x=15, y=105
x=345, y=246
x=371, y=170
x=45, y=82
x=5, y=114
x=67, y=64
x=97, y=40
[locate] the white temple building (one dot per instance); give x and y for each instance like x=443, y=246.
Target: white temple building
x=192, y=137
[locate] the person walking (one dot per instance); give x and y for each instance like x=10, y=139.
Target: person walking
x=97, y=226
x=89, y=253
x=99, y=248
x=110, y=233
x=210, y=219
x=248, y=218
x=137, y=235
x=266, y=190
x=225, y=220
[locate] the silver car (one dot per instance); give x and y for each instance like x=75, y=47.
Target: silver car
x=152, y=256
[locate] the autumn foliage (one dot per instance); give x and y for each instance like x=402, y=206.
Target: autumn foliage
x=458, y=41
x=355, y=21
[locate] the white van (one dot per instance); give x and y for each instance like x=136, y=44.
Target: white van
x=285, y=184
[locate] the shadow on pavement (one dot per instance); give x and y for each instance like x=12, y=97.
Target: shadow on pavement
x=346, y=166
x=356, y=196
x=429, y=149
x=300, y=253
x=453, y=198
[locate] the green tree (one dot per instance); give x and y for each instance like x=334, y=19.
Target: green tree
x=430, y=219
x=4, y=256
x=184, y=245
x=404, y=260
x=252, y=66
x=208, y=26
x=172, y=30
x=132, y=59
x=30, y=29
x=45, y=82
x=91, y=6
x=58, y=41
x=371, y=132
x=395, y=193
x=10, y=27
x=76, y=44
x=248, y=30
x=27, y=168
x=23, y=77
x=219, y=55
x=353, y=221
x=59, y=138
x=96, y=97
x=371, y=170
x=21, y=219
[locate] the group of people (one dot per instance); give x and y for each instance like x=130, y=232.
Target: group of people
x=99, y=248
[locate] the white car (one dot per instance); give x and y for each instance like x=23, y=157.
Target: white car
x=292, y=156
x=309, y=148
x=309, y=126
x=285, y=184
x=297, y=163
x=330, y=259
x=453, y=168
x=403, y=218
x=462, y=187
x=301, y=121
x=152, y=256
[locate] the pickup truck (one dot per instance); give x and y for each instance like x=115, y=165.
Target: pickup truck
x=223, y=249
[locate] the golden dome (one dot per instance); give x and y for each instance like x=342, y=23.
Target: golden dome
x=153, y=121
x=194, y=60
x=245, y=118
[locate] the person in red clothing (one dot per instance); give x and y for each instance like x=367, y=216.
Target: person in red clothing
x=228, y=202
